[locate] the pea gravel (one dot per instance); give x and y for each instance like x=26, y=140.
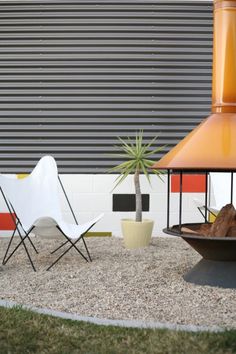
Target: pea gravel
x=144, y=284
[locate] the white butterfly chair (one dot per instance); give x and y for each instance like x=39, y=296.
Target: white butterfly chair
x=35, y=202
x=221, y=189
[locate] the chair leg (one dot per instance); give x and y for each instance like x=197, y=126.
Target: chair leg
x=85, y=245
x=199, y=209
x=10, y=242
x=17, y=222
x=31, y=242
x=59, y=258
x=73, y=214
x=73, y=244
x=63, y=244
x=66, y=251
x=8, y=247
x=26, y=249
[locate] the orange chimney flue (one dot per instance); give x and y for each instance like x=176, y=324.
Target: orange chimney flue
x=212, y=144
x=224, y=57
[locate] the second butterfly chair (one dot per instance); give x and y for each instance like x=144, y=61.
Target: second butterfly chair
x=221, y=192
x=36, y=204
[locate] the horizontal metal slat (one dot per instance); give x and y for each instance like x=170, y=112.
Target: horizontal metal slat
x=90, y=128
x=170, y=3
x=173, y=121
x=105, y=21
x=101, y=100
x=98, y=50
x=112, y=114
x=148, y=28
x=102, y=107
x=108, y=85
x=109, y=56
x=119, y=35
x=39, y=143
x=54, y=64
x=33, y=72
x=112, y=93
x=67, y=7
x=79, y=134
x=56, y=149
x=110, y=43
x=115, y=14
x=106, y=78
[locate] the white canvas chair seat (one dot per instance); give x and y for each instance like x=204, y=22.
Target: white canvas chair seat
x=35, y=201
x=220, y=193
x=221, y=189
x=73, y=231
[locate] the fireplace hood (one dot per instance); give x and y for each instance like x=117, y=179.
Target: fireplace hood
x=212, y=145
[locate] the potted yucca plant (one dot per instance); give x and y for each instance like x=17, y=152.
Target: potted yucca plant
x=136, y=155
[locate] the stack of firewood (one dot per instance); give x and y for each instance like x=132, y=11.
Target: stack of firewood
x=223, y=226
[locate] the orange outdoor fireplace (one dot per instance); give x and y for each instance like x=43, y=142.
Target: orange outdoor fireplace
x=211, y=146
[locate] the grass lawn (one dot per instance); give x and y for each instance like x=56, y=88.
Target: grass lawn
x=25, y=332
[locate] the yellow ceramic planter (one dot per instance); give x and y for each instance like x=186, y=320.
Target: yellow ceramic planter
x=136, y=234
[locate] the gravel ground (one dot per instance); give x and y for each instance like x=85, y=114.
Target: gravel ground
x=142, y=284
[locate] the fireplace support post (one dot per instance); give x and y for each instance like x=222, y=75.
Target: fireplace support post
x=232, y=188
x=206, y=197
x=180, y=200
x=168, y=199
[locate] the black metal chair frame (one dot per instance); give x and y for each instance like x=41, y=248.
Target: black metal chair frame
x=208, y=209
x=26, y=235
x=23, y=236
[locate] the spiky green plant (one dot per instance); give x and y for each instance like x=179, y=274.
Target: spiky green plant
x=137, y=160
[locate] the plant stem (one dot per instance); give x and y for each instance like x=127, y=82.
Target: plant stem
x=138, y=196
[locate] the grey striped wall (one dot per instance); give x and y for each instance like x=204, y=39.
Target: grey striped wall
x=74, y=75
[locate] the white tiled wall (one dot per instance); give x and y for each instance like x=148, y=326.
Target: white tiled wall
x=92, y=194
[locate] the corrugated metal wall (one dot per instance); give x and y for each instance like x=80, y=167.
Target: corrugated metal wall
x=76, y=74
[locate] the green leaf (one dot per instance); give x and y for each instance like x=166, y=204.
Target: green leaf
x=122, y=166
x=125, y=146
x=144, y=170
x=158, y=149
x=121, y=178
x=151, y=142
x=135, y=154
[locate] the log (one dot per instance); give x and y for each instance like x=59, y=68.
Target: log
x=187, y=230
x=205, y=229
x=223, y=221
x=231, y=232
x=234, y=222
x=202, y=230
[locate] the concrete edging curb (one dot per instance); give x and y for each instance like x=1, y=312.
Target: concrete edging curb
x=119, y=323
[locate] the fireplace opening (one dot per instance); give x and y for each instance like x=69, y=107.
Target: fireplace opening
x=217, y=221
x=223, y=226
x=214, y=240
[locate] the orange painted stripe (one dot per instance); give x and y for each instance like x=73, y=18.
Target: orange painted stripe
x=6, y=222
x=191, y=183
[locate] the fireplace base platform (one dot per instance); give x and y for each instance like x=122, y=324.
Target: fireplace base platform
x=218, y=265
x=213, y=273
